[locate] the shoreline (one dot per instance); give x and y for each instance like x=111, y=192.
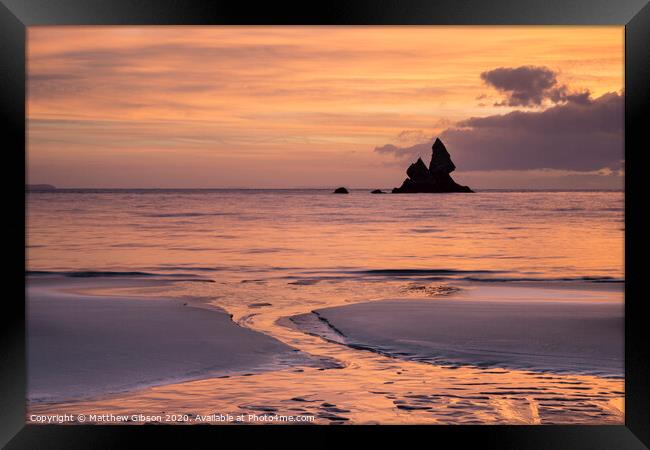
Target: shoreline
x=110, y=344
x=366, y=387
x=458, y=332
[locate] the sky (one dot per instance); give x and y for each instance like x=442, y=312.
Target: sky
x=281, y=107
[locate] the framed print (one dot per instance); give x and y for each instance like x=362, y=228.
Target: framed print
x=388, y=218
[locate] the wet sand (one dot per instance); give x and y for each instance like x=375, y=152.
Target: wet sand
x=367, y=387
x=550, y=336
x=82, y=345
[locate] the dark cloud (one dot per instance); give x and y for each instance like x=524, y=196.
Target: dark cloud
x=579, y=136
x=530, y=86
x=405, y=152
x=562, y=94
x=526, y=85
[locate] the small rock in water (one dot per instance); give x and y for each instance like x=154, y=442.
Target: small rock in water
x=377, y=191
x=341, y=190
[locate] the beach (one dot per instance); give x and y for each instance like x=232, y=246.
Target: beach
x=355, y=373
x=222, y=321
x=82, y=346
x=558, y=336
x=331, y=225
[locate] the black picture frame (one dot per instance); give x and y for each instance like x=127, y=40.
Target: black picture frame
x=16, y=15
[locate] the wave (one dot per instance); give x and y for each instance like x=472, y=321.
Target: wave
x=118, y=274
x=482, y=276
x=547, y=279
x=90, y=274
x=423, y=271
x=191, y=268
x=488, y=276
x=426, y=230
x=187, y=214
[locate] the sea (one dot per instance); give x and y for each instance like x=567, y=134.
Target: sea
x=276, y=261
x=313, y=235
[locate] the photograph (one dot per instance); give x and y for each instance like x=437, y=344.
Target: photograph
x=325, y=225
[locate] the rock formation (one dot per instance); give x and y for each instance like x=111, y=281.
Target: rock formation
x=436, y=178
x=341, y=190
x=377, y=191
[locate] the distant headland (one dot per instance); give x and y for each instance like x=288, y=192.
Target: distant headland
x=40, y=187
x=435, y=178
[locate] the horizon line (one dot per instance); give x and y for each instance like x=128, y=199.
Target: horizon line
x=288, y=188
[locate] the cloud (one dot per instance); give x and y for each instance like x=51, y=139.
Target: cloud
x=530, y=86
x=412, y=136
x=576, y=136
x=542, y=179
x=411, y=152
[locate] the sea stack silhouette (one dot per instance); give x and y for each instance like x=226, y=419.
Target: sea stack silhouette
x=435, y=178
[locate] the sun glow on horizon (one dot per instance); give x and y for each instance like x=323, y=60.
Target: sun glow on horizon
x=307, y=106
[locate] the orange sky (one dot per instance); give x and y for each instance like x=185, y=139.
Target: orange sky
x=286, y=106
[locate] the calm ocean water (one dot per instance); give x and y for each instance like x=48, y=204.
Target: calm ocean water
x=274, y=257
x=312, y=235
